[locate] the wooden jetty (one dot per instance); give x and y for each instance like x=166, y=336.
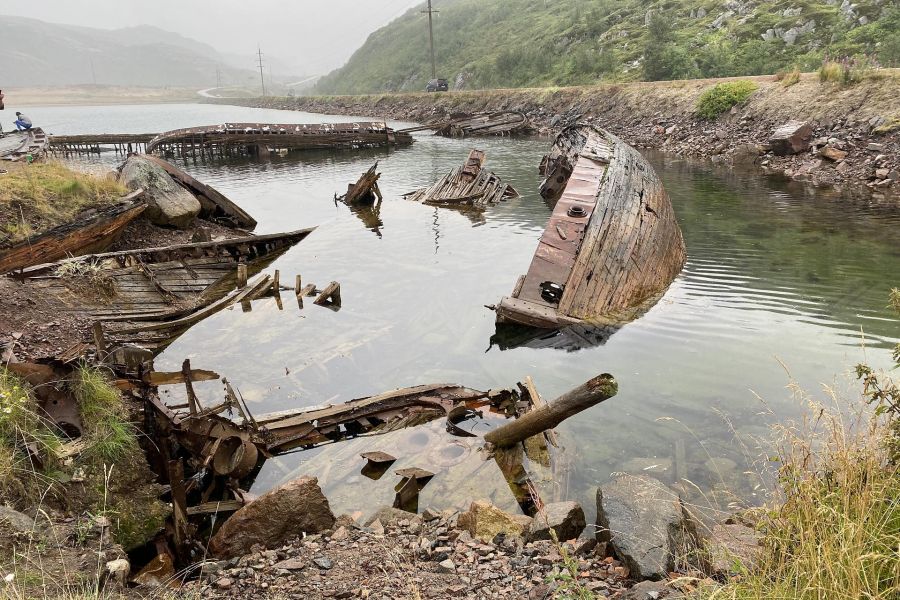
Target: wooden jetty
x=612, y=245
x=256, y=138
x=468, y=186
x=94, y=143
x=147, y=297
x=91, y=231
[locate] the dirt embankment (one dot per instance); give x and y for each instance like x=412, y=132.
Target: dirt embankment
x=862, y=120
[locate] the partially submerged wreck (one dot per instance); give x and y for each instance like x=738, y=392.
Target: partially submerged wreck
x=501, y=123
x=612, y=245
x=467, y=186
x=256, y=138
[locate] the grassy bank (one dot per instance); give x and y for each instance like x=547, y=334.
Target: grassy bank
x=39, y=196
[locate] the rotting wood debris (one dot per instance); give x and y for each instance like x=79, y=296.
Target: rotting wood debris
x=469, y=186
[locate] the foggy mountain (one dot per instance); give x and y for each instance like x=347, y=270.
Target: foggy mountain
x=47, y=54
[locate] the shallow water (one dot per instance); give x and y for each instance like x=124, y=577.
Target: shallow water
x=780, y=282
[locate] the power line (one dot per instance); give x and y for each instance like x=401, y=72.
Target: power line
x=430, y=12
x=259, y=63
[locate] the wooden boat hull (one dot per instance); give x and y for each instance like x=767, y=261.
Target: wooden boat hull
x=612, y=245
x=468, y=186
x=88, y=234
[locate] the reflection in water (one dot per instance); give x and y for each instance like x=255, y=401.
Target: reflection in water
x=570, y=339
x=775, y=272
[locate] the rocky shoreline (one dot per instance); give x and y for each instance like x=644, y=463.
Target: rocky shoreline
x=854, y=143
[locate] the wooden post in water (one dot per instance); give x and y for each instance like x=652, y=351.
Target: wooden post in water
x=298, y=285
x=242, y=275
x=540, y=419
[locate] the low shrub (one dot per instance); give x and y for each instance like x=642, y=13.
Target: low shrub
x=790, y=78
x=849, y=70
x=722, y=96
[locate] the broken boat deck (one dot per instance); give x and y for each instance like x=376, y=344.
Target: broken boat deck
x=467, y=186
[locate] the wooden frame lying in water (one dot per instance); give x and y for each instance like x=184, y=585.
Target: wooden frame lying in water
x=469, y=185
x=612, y=243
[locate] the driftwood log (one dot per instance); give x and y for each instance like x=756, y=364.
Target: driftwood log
x=550, y=415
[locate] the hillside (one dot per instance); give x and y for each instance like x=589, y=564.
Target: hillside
x=36, y=53
x=516, y=43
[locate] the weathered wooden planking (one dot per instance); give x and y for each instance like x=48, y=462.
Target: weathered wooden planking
x=215, y=205
x=365, y=190
x=612, y=243
x=90, y=233
x=469, y=185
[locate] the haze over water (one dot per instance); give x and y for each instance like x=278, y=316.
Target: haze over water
x=777, y=278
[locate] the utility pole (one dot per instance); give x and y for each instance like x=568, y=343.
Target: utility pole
x=262, y=80
x=431, y=11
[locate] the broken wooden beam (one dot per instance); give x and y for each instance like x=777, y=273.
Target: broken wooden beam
x=330, y=295
x=365, y=190
x=588, y=394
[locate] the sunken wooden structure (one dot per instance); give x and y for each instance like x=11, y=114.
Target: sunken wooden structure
x=467, y=186
x=92, y=231
x=365, y=190
x=256, y=138
x=142, y=300
x=501, y=123
x=612, y=244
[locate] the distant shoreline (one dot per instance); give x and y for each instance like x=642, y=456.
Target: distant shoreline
x=100, y=95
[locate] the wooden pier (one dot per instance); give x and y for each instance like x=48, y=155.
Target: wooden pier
x=94, y=143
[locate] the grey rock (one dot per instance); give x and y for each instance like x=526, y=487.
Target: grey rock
x=391, y=516
x=168, y=204
x=564, y=518
x=18, y=521
x=323, y=562
x=447, y=566
x=290, y=510
x=645, y=524
x=730, y=545
x=701, y=12
x=118, y=571
x=651, y=590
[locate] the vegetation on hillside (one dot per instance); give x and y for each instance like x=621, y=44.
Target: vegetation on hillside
x=518, y=43
x=39, y=196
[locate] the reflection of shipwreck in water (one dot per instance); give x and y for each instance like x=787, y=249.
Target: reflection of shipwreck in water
x=467, y=187
x=571, y=338
x=612, y=245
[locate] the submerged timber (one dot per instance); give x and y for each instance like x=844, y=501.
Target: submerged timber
x=612, y=243
x=468, y=186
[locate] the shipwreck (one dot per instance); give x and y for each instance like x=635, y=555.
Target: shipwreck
x=612, y=245
x=467, y=186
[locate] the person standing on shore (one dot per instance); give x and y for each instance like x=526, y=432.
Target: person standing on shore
x=22, y=122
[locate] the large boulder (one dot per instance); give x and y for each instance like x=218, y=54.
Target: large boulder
x=791, y=138
x=484, y=520
x=293, y=509
x=645, y=523
x=168, y=204
x=565, y=518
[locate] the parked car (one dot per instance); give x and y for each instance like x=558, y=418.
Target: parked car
x=437, y=85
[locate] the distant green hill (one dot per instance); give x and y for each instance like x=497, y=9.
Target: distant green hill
x=513, y=43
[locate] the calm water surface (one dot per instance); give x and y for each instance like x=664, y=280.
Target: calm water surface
x=779, y=283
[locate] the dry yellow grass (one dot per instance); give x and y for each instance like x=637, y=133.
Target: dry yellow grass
x=39, y=196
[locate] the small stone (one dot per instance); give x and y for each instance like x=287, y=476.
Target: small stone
x=118, y=570
x=323, y=562
x=224, y=583
x=832, y=153
x=447, y=566
x=340, y=534
x=875, y=147
x=881, y=173
x=291, y=564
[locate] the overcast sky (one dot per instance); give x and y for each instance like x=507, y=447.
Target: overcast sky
x=314, y=36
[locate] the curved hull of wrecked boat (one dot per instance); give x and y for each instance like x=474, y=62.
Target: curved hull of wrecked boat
x=612, y=245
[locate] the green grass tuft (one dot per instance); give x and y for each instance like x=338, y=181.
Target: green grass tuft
x=722, y=96
x=109, y=436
